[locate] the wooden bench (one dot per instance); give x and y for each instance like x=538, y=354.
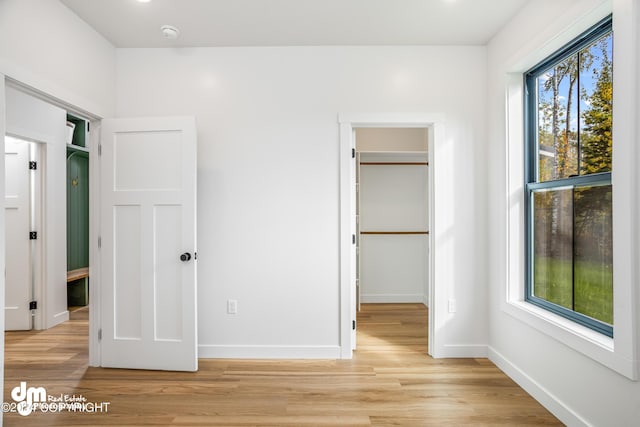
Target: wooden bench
x=77, y=274
x=78, y=294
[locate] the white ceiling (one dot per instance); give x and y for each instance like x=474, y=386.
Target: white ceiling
x=129, y=23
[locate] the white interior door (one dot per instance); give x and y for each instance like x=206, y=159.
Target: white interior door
x=358, y=259
x=17, y=315
x=148, y=251
x=353, y=259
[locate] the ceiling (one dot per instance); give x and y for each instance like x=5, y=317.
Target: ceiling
x=130, y=23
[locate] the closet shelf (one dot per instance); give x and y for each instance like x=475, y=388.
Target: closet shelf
x=394, y=232
x=394, y=163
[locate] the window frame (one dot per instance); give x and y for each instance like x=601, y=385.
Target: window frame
x=531, y=183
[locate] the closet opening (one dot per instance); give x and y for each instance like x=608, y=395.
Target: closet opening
x=77, y=213
x=392, y=237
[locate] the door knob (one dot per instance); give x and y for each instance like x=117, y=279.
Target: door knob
x=185, y=257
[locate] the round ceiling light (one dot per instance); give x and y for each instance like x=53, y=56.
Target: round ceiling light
x=170, y=32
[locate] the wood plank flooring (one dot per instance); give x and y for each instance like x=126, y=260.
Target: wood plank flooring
x=390, y=382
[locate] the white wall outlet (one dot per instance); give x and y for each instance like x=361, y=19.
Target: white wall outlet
x=232, y=306
x=452, y=305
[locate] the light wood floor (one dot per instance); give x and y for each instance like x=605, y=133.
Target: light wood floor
x=390, y=382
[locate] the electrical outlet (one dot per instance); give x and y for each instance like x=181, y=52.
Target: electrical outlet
x=452, y=305
x=232, y=306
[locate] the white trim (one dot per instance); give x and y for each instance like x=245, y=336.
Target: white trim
x=535, y=389
x=44, y=96
x=42, y=88
x=464, y=350
x=39, y=245
x=347, y=341
x=348, y=122
x=63, y=316
x=268, y=352
x=95, y=354
x=392, y=298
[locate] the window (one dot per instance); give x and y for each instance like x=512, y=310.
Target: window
x=568, y=123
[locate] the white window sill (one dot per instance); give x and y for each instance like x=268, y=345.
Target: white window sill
x=582, y=339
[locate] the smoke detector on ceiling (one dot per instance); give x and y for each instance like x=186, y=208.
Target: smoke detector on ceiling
x=170, y=32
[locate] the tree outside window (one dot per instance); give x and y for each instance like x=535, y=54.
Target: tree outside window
x=569, y=193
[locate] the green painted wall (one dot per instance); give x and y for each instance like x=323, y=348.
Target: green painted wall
x=77, y=209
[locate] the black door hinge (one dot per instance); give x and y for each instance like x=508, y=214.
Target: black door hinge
x=33, y=305
x=33, y=235
x=353, y=153
x=353, y=325
x=33, y=166
x=353, y=239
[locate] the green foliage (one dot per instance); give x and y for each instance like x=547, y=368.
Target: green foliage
x=572, y=227
x=597, y=136
x=593, y=293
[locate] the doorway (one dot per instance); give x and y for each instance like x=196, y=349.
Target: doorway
x=168, y=312
x=392, y=215
x=32, y=119
x=392, y=222
x=433, y=125
x=77, y=190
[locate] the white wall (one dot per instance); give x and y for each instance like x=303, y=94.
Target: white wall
x=46, y=46
x=391, y=139
x=576, y=388
x=269, y=171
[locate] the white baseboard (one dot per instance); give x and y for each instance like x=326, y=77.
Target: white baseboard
x=267, y=352
x=392, y=298
x=541, y=394
x=63, y=316
x=462, y=351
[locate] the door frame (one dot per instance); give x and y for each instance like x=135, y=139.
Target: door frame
x=94, y=218
x=434, y=123
x=95, y=261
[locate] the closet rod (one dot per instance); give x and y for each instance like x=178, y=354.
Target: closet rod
x=394, y=232
x=396, y=163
